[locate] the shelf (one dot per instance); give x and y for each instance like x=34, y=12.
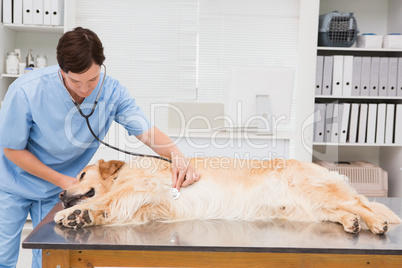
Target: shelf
x=356, y=144
x=359, y=49
x=10, y=75
x=359, y=97
x=35, y=28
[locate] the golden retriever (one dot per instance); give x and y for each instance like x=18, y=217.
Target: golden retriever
x=115, y=193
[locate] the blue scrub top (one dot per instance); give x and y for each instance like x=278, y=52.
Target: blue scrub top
x=38, y=115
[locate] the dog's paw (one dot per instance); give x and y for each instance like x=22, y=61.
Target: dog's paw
x=378, y=227
x=352, y=225
x=74, y=218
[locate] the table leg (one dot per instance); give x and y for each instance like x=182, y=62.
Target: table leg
x=55, y=258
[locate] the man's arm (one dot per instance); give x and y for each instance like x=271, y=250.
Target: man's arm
x=31, y=164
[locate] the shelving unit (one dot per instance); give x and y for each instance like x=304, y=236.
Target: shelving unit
x=42, y=39
x=381, y=17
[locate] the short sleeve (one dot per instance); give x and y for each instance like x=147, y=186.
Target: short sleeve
x=15, y=120
x=130, y=115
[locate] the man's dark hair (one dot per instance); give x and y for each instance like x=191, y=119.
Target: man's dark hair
x=78, y=49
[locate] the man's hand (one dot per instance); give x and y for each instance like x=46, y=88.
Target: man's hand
x=183, y=172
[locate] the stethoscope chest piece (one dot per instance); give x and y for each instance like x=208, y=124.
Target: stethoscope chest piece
x=174, y=193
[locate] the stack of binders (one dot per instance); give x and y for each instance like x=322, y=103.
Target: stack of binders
x=369, y=123
x=341, y=75
x=33, y=12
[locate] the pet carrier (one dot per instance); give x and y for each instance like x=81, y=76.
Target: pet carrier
x=337, y=29
x=366, y=178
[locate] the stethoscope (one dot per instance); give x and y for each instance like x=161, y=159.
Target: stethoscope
x=87, y=116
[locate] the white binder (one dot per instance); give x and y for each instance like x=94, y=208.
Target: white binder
x=57, y=12
x=7, y=11
x=319, y=122
x=383, y=77
x=329, y=111
x=47, y=12
x=356, y=77
x=345, y=122
x=337, y=76
x=381, y=117
x=38, y=12
x=374, y=75
x=327, y=75
x=318, y=75
x=28, y=15
x=392, y=76
x=17, y=11
x=361, y=137
x=336, y=123
x=371, y=123
x=347, y=75
x=365, y=76
x=389, y=123
x=398, y=124
x=354, y=119
x=399, y=78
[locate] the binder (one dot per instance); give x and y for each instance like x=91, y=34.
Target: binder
x=327, y=76
x=383, y=77
x=354, y=120
x=17, y=11
x=46, y=12
x=329, y=111
x=344, y=122
x=371, y=123
x=7, y=11
x=337, y=76
x=389, y=123
x=392, y=76
x=347, y=75
x=57, y=12
x=318, y=75
x=38, y=12
x=398, y=124
x=336, y=122
x=28, y=15
x=362, y=129
x=381, y=117
x=399, y=78
x=365, y=76
x=374, y=75
x=356, y=78
x=319, y=122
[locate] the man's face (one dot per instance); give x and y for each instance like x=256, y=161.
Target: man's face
x=81, y=85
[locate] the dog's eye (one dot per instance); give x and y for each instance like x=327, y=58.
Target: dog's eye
x=82, y=176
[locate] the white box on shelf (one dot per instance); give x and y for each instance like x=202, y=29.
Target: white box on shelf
x=369, y=41
x=392, y=41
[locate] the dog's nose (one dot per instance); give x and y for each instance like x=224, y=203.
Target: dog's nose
x=61, y=195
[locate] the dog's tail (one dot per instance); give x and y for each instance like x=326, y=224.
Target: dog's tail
x=383, y=211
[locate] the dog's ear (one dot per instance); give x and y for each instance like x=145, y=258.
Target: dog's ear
x=107, y=169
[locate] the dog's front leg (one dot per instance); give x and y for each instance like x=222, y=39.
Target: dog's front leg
x=80, y=216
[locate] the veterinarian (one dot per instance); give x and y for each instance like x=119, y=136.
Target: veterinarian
x=45, y=141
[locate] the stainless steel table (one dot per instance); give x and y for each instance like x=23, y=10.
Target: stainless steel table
x=217, y=243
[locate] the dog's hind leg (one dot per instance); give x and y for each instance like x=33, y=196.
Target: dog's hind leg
x=349, y=221
x=376, y=216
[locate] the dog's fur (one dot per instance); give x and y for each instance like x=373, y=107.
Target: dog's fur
x=113, y=192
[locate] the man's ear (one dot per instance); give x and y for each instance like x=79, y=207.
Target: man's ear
x=107, y=169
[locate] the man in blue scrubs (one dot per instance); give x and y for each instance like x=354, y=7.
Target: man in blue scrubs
x=45, y=142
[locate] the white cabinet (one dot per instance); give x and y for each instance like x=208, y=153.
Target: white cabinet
x=373, y=16
x=41, y=39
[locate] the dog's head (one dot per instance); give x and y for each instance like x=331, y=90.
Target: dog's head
x=93, y=181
